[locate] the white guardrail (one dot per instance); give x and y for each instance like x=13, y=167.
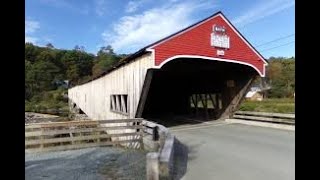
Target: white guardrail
x=265, y=119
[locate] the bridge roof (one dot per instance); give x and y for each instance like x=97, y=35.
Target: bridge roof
x=250, y=56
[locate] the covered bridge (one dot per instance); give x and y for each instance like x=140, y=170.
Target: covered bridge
x=203, y=70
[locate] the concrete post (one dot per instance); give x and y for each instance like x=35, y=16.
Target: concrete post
x=152, y=166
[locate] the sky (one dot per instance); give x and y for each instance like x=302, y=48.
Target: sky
x=129, y=25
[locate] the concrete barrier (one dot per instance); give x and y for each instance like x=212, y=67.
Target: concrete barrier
x=153, y=166
x=166, y=158
x=164, y=150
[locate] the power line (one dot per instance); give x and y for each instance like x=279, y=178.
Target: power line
x=277, y=46
x=276, y=40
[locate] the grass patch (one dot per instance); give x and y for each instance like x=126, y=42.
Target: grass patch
x=281, y=105
x=51, y=102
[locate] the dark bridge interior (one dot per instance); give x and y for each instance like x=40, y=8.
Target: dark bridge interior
x=194, y=88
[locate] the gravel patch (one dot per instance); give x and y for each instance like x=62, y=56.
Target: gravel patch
x=87, y=164
x=31, y=117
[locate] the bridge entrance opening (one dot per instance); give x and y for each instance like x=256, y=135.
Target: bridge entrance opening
x=195, y=88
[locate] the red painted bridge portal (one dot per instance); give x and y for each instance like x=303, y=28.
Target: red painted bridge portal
x=203, y=70
x=214, y=38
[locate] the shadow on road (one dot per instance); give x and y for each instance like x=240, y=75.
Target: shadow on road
x=193, y=151
x=180, y=160
x=171, y=121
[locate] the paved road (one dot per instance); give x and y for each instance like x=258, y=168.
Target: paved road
x=233, y=151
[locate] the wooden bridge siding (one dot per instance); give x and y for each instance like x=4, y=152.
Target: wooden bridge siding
x=94, y=97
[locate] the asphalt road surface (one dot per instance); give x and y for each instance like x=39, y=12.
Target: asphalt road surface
x=224, y=151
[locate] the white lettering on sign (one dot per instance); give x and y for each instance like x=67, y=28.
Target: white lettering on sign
x=222, y=41
x=219, y=38
x=220, y=52
x=221, y=29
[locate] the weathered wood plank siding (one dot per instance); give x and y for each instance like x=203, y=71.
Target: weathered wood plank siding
x=93, y=98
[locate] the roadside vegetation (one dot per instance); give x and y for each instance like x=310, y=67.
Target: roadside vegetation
x=49, y=72
x=277, y=105
x=280, y=98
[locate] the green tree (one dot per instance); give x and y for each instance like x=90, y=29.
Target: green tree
x=40, y=76
x=30, y=52
x=47, y=67
x=50, y=46
x=281, y=77
x=77, y=64
x=105, y=59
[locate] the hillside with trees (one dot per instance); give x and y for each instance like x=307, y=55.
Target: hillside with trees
x=49, y=72
x=281, y=77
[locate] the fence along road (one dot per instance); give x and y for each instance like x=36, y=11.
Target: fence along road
x=83, y=134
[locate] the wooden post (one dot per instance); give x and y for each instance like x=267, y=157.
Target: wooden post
x=140, y=133
x=71, y=134
x=42, y=139
x=193, y=102
x=98, y=135
x=196, y=105
x=206, y=106
x=214, y=106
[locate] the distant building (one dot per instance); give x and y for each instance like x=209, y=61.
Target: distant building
x=256, y=93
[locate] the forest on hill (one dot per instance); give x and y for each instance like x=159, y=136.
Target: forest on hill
x=49, y=72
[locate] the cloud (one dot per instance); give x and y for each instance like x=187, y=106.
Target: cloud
x=30, y=39
x=31, y=27
x=133, y=6
x=100, y=7
x=133, y=32
x=262, y=10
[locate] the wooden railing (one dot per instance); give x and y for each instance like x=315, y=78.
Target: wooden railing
x=83, y=134
x=265, y=117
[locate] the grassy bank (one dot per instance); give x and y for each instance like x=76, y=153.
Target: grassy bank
x=50, y=102
x=59, y=108
x=281, y=105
